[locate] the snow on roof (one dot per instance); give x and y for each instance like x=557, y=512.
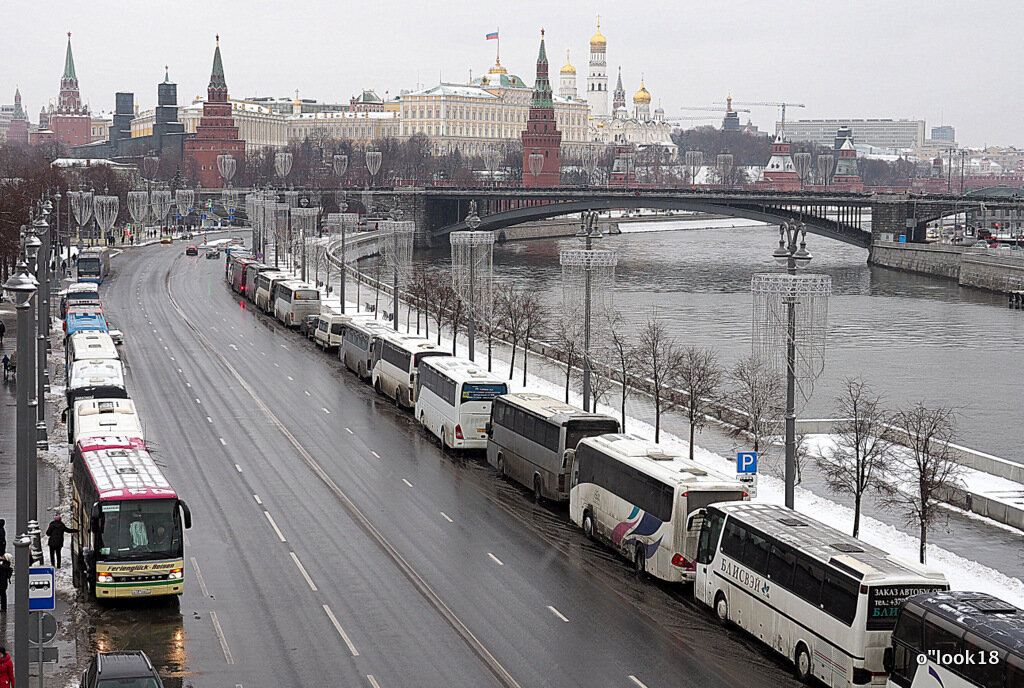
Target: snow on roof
x=462, y=90
x=343, y=115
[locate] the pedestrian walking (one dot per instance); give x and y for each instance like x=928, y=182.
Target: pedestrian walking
x=7, y=366
x=3, y=331
x=3, y=536
x=6, y=572
x=55, y=539
x=6, y=669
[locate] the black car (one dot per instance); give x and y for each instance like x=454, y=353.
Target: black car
x=131, y=668
x=308, y=326
x=192, y=251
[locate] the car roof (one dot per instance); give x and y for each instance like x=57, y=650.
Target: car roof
x=128, y=664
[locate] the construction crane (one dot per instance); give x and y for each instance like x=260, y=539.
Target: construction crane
x=706, y=118
x=711, y=109
x=782, y=106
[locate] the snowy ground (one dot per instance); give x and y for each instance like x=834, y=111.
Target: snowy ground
x=963, y=573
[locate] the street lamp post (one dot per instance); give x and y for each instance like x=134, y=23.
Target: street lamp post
x=789, y=254
x=42, y=231
x=27, y=369
x=587, y=224
x=473, y=222
x=21, y=616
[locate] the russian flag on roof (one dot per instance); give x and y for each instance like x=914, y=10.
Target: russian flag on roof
x=493, y=36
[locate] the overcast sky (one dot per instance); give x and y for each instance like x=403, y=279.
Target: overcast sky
x=946, y=62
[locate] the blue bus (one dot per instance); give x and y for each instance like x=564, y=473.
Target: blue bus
x=81, y=320
x=93, y=264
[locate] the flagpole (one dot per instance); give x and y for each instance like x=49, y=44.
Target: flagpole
x=498, y=56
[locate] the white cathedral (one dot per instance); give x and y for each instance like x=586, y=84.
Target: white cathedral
x=616, y=124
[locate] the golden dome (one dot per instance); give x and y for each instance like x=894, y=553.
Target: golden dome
x=642, y=95
x=568, y=68
x=497, y=68
x=598, y=40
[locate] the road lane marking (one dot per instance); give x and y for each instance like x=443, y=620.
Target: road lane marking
x=222, y=441
x=238, y=468
x=209, y=420
x=406, y=482
x=223, y=641
x=291, y=378
x=283, y=346
x=307, y=392
x=179, y=370
x=214, y=328
x=276, y=366
x=496, y=559
x=372, y=680
x=375, y=453
x=341, y=631
x=198, y=402
x=188, y=384
x=263, y=353
x=558, y=614
x=233, y=347
x=447, y=517
x=199, y=577
x=324, y=409
x=637, y=681
x=273, y=524
x=172, y=358
x=302, y=570
x=258, y=500
x=349, y=431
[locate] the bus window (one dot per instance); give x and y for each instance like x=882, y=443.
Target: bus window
x=906, y=643
x=709, y=532
x=781, y=565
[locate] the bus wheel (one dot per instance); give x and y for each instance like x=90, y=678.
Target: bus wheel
x=803, y=663
x=537, y=496
x=588, y=525
x=501, y=466
x=639, y=560
x=376, y=387
x=722, y=609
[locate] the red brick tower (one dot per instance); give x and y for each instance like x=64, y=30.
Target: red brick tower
x=216, y=133
x=17, y=132
x=70, y=121
x=541, y=136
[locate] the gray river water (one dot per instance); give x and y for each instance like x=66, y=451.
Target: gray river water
x=912, y=337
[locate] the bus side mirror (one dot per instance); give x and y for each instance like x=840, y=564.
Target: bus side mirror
x=64, y=416
x=187, y=513
x=487, y=428
x=887, y=660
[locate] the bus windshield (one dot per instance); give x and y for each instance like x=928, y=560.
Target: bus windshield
x=139, y=529
x=88, y=266
x=476, y=391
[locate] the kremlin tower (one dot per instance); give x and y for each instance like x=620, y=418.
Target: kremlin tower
x=541, y=136
x=619, y=96
x=642, y=103
x=779, y=173
x=567, y=86
x=216, y=133
x=70, y=121
x=731, y=121
x=846, y=177
x=17, y=131
x=597, y=81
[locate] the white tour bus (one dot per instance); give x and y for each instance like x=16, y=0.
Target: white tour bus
x=89, y=344
x=357, y=339
x=294, y=301
x=645, y=500
x=265, y=283
x=528, y=437
x=957, y=639
x=454, y=400
x=396, y=358
x=105, y=417
x=822, y=599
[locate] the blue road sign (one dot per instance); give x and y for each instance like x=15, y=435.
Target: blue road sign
x=203, y=216
x=40, y=589
x=746, y=462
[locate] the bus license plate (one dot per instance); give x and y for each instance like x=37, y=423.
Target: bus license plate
x=143, y=591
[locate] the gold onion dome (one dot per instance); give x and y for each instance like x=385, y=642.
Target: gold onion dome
x=598, y=40
x=568, y=68
x=642, y=95
x=497, y=68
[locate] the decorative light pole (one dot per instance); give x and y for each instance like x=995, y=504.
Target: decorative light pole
x=397, y=238
x=184, y=199
x=588, y=274
x=536, y=163
x=694, y=161
x=802, y=165
x=805, y=300
x=340, y=164
x=725, y=165
x=41, y=228
x=226, y=166
x=826, y=166
x=373, y=161
x=472, y=270
x=21, y=287
x=105, y=211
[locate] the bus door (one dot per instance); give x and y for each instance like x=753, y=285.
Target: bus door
x=707, y=544
x=687, y=540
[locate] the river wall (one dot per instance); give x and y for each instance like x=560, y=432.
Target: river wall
x=983, y=269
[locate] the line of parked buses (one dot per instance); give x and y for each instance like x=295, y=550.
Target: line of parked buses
x=842, y=611
x=128, y=518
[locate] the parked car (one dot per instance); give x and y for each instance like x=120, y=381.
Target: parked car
x=212, y=252
x=130, y=668
x=166, y=240
x=308, y=325
x=117, y=336
x=191, y=250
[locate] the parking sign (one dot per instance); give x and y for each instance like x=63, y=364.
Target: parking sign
x=746, y=462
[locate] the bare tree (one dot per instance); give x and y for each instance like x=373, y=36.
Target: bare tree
x=756, y=390
x=535, y=321
x=926, y=467
x=658, y=358
x=602, y=375
x=441, y=293
x=622, y=352
x=700, y=377
x=569, y=336
x=457, y=314
x=511, y=318
x=858, y=460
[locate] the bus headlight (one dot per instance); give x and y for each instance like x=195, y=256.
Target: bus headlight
x=104, y=578
x=175, y=574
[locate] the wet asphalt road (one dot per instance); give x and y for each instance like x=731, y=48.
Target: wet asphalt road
x=335, y=544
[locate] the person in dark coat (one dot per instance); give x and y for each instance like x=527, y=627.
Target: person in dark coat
x=55, y=538
x=3, y=537
x=6, y=573
x=3, y=331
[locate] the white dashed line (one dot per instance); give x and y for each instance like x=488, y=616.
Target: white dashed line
x=209, y=420
x=637, y=681
x=291, y=378
x=302, y=570
x=258, y=500
x=349, y=431
x=179, y=370
x=496, y=559
x=223, y=641
x=447, y=517
x=558, y=614
x=307, y=392
x=406, y=482
x=238, y=468
x=222, y=441
x=263, y=353
x=233, y=347
x=372, y=680
x=341, y=631
x=276, y=366
x=375, y=453
x=283, y=346
x=273, y=524
x=188, y=384
x=199, y=577
x=324, y=409
x=199, y=402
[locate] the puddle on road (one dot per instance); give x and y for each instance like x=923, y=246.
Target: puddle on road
x=156, y=628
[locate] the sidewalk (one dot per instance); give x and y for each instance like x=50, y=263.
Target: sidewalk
x=52, y=492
